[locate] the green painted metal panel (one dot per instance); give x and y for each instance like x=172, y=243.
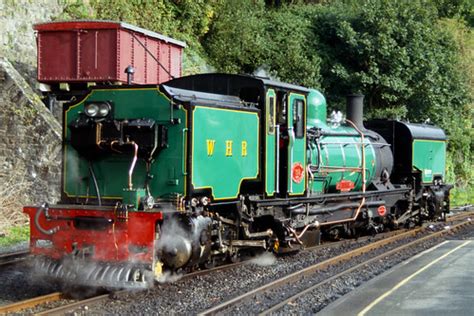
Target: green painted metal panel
x=225, y=150
x=270, y=142
x=111, y=173
x=168, y=168
x=429, y=156
x=317, y=108
x=297, y=146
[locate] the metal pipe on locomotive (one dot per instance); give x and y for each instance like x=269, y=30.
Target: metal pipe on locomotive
x=162, y=171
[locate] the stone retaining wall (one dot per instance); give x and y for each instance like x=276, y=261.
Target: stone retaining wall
x=17, y=37
x=30, y=142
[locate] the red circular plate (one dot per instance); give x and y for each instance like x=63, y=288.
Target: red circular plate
x=297, y=172
x=382, y=210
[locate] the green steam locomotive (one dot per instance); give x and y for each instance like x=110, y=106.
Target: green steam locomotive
x=200, y=169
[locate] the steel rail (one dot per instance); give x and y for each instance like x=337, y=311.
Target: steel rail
x=214, y=269
x=362, y=265
x=308, y=270
x=391, y=237
x=32, y=302
x=333, y=244
x=61, y=310
x=464, y=213
x=13, y=257
x=101, y=298
x=323, y=265
x=462, y=208
x=68, y=308
x=94, y=300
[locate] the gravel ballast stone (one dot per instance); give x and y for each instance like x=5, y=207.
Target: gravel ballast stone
x=197, y=294
x=192, y=295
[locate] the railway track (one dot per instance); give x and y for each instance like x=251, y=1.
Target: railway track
x=63, y=309
x=67, y=306
x=357, y=267
x=13, y=257
x=29, y=303
x=463, y=208
x=346, y=257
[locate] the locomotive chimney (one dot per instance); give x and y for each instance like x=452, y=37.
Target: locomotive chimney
x=355, y=110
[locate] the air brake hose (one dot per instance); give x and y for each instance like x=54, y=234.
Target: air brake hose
x=44, y=208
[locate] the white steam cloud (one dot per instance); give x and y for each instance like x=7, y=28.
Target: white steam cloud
x=168, y=277
x=264, y=71
x=264, y=260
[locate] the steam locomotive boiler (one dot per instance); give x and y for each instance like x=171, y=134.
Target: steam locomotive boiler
x=196, y=170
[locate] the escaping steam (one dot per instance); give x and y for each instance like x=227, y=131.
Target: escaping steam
x=264, y=260
x=169, y=230
x=173, y=240
x=265, y=72
x=72, y=163
x=168, y=277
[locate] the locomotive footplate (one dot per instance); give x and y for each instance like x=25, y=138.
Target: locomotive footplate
x=332, y=197
x=334, y=208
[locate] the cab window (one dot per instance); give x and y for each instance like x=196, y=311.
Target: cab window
x=271, y=116
x=298, y=118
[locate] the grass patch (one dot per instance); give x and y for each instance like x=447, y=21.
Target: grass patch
x=15, y=235
x=462, y=196
x=14, y=193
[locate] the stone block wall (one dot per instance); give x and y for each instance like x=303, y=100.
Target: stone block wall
x=17, y=37
x=30, y=142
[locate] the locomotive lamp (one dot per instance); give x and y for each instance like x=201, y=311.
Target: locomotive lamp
x=97, y=109
x=91, y=110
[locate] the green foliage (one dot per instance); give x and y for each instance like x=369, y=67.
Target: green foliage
x=14, y=235
x=462, y=196
x=76, y=10
x=461, y=144
x=462, y=9
x=247, y=36
x=412, y=59
x=236, y=42
x=391, y=112
x=186, y=20
x=385, y=49
x=291, y=52
x=403, y=60
x=464, y=186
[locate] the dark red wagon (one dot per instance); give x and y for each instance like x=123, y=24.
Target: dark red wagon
x=101, y=51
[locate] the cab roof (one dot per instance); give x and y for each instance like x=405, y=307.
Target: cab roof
x=246, y=87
